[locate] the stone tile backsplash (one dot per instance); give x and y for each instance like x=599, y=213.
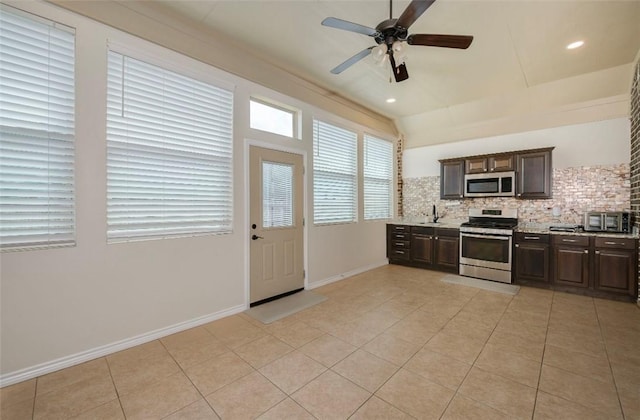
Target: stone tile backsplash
x=575, y=191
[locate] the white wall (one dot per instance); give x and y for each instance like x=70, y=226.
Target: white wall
x=63, y=306
x=596, y=143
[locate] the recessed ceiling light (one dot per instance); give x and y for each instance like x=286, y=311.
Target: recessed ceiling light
x=391, y=100
x=575, y=45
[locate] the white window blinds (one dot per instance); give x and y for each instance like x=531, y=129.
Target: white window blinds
x=169, y=153
x=36, y=131
x=277, y=195
x=378, y=178
x=335, y=169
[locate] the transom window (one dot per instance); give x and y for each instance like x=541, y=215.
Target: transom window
x=272, y=118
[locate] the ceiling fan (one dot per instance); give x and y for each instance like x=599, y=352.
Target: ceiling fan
x=391, y=36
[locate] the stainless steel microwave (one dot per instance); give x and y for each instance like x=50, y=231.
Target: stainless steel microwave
x=495, y=184
x=612, y=221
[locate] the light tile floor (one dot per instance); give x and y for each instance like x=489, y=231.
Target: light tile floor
x=392, y=343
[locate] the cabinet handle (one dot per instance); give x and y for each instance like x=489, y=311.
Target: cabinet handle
x=532, y=237
x=399, y=227
x=399, y=244
x=400, y=252
x=519, y=195
x=398, y=236
x=569, y=240
x=586, y=251
x=460, y=195
x=597, y=252
x=612, y=243
x=517, y=245
x=436, y=238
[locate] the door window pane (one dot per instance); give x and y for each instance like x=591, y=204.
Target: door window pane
x=277, y=195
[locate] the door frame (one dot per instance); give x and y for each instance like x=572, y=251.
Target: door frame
x=246, y=231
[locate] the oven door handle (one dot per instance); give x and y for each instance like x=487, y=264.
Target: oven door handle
x=502, y=238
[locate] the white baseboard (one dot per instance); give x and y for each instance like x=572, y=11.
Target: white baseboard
x=347, y=274
x=67, y=361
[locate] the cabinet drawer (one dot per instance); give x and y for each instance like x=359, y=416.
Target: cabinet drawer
x=400, y=236
x=619, y=243
x=400, y=228
x=399, y=254
x=397, y=244
x=571, y=240
x=422, y=230
x=532, y=237
x=449, y=232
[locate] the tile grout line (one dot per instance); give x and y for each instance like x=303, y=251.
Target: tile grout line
x=476, y=359
x=190, y=381
x=544, y=349
x=606, y=352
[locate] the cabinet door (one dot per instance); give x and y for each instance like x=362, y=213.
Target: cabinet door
x=447, y=250
x=532, y=263
x=615, y=271
x=476, y=165
x=534, y=175
x=501, y=163
x=452, y=180
x=571, y=266
x=422, y=249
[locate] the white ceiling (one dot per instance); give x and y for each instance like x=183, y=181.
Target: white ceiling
x=517, y=44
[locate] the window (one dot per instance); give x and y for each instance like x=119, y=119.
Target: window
x=37, y=205
x=271, y=118
x=169, y=153
x=335, y=194
x=378, y=178
x=277, y=195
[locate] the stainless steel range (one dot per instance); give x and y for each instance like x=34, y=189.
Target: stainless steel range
x=485, y=244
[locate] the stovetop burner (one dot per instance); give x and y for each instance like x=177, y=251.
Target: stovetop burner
x=491, y=219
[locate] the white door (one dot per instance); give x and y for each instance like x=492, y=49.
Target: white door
x=276, y=223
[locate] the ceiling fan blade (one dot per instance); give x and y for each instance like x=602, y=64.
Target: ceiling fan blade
x=413, y=11
x=447, y=41
x=349, y=26
x=351, y=61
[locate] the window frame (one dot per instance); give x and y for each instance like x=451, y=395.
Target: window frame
x=295, y=116
x=183, y=66
x=391, y=180
x=65, y=186
x=355, y=173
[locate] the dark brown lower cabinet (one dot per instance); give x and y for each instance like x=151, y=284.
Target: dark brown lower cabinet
x=591, y=265
x=424, y=247
x=422, y=241
x=447, y=250
x=616, y=265
x=531, y=259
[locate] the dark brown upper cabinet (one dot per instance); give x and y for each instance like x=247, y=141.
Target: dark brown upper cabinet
x=533, y=174
x=451, y=179
x=492, y=163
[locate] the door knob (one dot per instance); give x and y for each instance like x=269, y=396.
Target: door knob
x=254, y=237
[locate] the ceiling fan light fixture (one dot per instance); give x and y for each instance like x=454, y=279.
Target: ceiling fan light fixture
x=390, y=100
x=574, y=45
x=379, y=53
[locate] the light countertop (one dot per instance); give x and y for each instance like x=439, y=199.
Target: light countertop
x=542, y=229
x=442, y=223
